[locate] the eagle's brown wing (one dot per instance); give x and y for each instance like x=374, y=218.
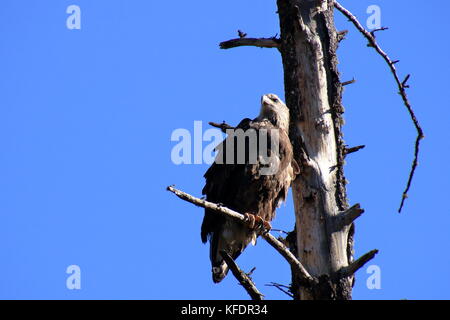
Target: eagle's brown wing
x=242, y=188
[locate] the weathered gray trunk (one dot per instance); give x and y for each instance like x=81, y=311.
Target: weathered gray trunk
x=313, y=94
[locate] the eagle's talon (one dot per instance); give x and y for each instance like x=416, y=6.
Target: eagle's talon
x=267, y=226
x=259, y=222
x=256, y=223
x=250, y=218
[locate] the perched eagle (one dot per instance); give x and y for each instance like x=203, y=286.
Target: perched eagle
x=252, y=173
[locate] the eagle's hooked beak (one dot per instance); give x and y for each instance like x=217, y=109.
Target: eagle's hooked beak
x=269, y=100
x=265, y=100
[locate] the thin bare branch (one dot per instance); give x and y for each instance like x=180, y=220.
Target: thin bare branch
x=353, y=149
x=358, y=264
x=253, y=42
x=401, y=87
x=279, y=230
x=222, y=126
x=346, y=83
x=206, y=204
x=243, y=278
x=341, y=35
x=282, y=288
x=251, y=271
x=376, y=30
x=304, y=277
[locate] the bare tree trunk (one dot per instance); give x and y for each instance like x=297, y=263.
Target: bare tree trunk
x=324, y=243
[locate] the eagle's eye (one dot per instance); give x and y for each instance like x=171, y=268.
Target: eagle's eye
x=274, y=99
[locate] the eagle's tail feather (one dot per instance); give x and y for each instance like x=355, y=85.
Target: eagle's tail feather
x=219, y=267
x=220, y=243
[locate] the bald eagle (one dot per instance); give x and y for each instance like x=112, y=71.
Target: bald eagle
x=251, y=174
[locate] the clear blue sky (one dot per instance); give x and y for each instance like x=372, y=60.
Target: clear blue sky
x=86, y=118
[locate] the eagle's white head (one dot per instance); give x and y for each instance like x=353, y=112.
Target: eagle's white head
x=274, y=110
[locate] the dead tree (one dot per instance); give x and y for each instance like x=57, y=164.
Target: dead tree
x=323, y=237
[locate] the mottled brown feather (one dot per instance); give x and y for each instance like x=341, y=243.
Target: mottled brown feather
x=241, y=188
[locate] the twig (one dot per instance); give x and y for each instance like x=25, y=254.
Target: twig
x=251, y=272
x=353, y=149
x=282, y=288
x=241, y=34
x=242, y=277
x=255, y=42
x=402, y=91
x=304, y=277
x=376, y=30
x=279, y=230
x=346, y=83
x=222, y=126
x=346, y=218
x=206, y=204
x=341, y=35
